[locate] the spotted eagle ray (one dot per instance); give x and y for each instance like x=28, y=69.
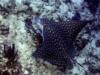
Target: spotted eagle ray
x=57, y=45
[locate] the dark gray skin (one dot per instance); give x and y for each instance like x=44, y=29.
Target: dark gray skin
x=57, y=46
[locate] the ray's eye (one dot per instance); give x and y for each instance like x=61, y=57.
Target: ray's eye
x=38, y=39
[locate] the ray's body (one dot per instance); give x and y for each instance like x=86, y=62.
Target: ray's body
x=57, y=45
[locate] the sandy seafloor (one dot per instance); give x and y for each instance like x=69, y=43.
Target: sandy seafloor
x=19, y=10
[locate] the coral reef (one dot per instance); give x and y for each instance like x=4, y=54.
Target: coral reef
x=20, y=44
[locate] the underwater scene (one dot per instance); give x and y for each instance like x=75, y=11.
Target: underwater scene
x=49, y=37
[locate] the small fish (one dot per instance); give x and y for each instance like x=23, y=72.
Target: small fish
x=57, y=44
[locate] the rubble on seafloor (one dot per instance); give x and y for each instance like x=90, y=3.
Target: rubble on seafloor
x=12, y=16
